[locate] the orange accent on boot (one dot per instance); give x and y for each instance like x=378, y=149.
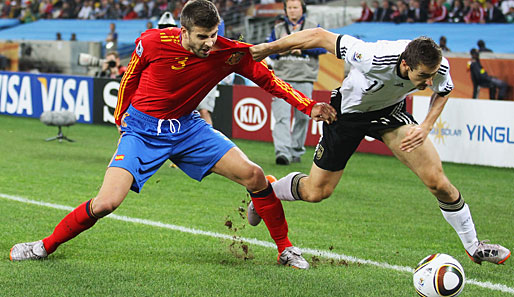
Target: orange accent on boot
x=271, y=178
x=503, y=261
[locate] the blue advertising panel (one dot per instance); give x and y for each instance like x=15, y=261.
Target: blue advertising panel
x=29, y=95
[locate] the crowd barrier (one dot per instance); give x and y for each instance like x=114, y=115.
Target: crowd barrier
x=468, y=131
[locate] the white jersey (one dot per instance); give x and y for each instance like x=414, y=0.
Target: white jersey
x=373, y=82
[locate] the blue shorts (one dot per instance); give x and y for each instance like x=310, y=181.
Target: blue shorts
x=147, y=142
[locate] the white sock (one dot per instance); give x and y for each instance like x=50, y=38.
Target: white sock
x=283, y=187
x=462, y=223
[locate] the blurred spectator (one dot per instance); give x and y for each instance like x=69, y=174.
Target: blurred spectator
x=14, y=10
x=111, y=68
x=510, y=16
x=506, y=6
x=76, y=6
x=476, y=14
x=114, y=11
x=438, y=11
x=96, y=11
x=366, y=14
x=58, y=36
x=400, y=12
x=480, y=78
x=99, y=10
x=66, y=11
x=112, y=38
x=26, y=15
x=385, y=12
x=162, y=6
x=149, y=25
x=73, y=37
x=456, y=15
x=86, y=12
x=377, y=11
x=416, y=14
x=482, y=47
x=45, y=9
x=466, y=7
x=129, y=13
x=493, y=14
x=138, y=6
x=232, y=12
x=442, y=44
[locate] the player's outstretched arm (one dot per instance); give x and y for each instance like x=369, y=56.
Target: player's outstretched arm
x=305, y=39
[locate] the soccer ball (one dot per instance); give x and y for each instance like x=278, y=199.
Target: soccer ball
x=439, y=275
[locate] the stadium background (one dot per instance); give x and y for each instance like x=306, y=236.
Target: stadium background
x=369, y=217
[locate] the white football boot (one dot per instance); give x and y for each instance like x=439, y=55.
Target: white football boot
x=28, y=251
x=253, y=217
x=292, y=256
x=493, y=253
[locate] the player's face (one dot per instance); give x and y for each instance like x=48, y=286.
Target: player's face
x=294, y=10
x=422, y=76
x=199, y=40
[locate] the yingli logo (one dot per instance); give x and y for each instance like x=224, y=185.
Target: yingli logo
x=250, y=114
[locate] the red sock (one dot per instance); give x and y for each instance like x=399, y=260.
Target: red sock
x=80, y=219
x=270, y=209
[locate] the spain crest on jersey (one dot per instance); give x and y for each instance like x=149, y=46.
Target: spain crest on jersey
x=235, y=58
x=139, y=48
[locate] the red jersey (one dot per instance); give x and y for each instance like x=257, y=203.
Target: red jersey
x=166, y=81
x=366, y=15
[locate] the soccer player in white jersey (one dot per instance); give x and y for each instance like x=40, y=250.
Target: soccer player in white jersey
x=371, y=101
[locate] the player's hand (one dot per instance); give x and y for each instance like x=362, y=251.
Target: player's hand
x=323, y=112
x=414, y=137
x=260, y=51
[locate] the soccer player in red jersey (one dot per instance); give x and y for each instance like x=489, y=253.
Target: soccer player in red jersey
x=170, y=72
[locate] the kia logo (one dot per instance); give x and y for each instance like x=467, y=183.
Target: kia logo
x=250, y=114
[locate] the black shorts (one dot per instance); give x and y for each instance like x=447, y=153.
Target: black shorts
x=341, y=138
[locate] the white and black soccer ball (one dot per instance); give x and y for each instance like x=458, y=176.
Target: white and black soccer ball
x=439, y=275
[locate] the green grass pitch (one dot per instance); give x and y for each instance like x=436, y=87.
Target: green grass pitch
x=379, y=212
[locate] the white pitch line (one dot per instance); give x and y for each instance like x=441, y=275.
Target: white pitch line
x=325, y=254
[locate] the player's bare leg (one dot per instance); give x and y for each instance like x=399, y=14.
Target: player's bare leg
x=236, y=166
x=316, y=186
x=424, y=161
x=115, y=187
x=319, y=184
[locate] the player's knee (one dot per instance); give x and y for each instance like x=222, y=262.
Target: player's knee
x=103, y=207
x=438, y=184
x=254, y=179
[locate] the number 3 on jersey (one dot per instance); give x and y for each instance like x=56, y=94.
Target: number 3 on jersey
x=179, y=63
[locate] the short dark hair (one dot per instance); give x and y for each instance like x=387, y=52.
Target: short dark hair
x=200, y=13
x=422, y=50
